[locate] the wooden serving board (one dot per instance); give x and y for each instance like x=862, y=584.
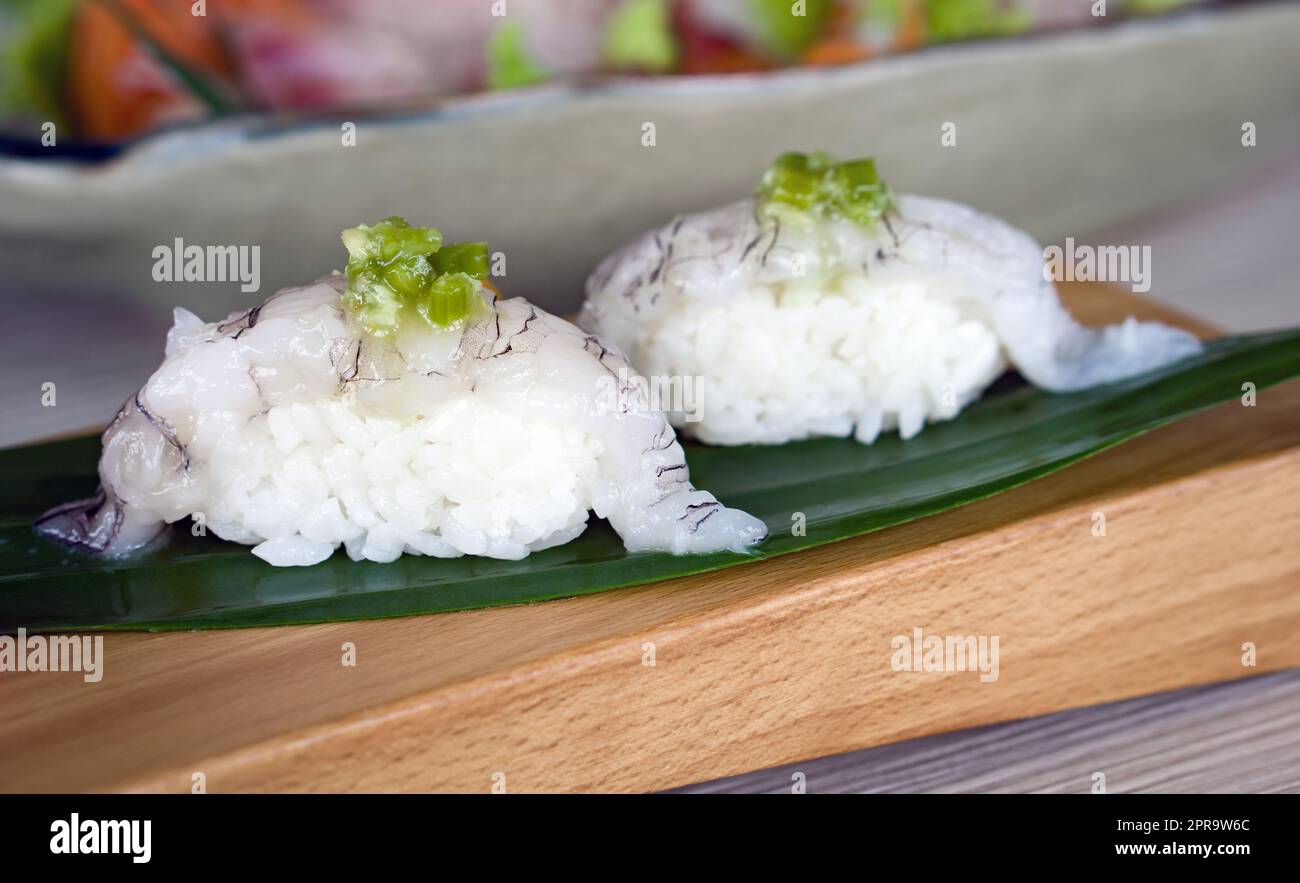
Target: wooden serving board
x=754, y=666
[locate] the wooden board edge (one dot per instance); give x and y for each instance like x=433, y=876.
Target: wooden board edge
x=806, y=673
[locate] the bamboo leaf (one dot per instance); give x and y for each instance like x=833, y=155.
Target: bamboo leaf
x=1014, y=435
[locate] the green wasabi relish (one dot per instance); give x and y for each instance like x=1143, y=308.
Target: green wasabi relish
x=399, y=274
x=813, y=185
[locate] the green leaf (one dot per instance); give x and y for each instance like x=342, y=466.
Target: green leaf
x=1015, y=434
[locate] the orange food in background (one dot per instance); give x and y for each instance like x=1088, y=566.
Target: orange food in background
x=912, y=32
x=116, y=84
x=835, y=51
x=838, y=45
x=117, y=88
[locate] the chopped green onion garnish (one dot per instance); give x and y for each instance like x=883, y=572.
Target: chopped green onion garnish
x=451, y=298
x=817, y=185
x=397, y=273
x=470, y=258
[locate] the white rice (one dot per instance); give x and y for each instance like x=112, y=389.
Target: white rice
x=463, y=479
x=780, y=363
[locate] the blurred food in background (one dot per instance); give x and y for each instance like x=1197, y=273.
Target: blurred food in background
x=114, y=69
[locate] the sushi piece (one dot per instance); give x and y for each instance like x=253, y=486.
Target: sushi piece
x=396, y=409
x=827, y=306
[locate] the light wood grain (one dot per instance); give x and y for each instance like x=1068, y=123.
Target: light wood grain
x=755, y=666
x=1235, y=738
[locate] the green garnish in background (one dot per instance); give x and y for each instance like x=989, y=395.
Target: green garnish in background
x=640, y=37
x=510, y=65
x=949, y=20
x=398, y=273
x=816, y=185
x=1152, y=7
x=786, y=33
x=35, y=55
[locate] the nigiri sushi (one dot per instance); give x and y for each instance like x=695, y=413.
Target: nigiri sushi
x=827, y=306
x=397, y=408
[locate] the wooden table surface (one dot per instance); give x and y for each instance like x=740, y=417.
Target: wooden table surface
x=1223, y=738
